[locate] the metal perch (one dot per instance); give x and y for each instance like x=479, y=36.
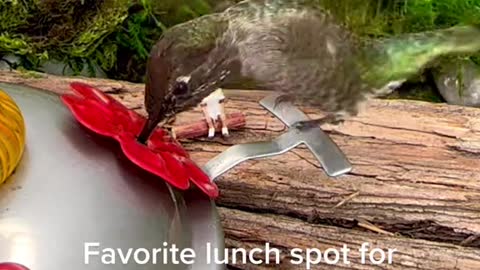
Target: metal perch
x=324, y=149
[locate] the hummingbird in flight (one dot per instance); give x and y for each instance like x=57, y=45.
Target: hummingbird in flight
x=294, y=47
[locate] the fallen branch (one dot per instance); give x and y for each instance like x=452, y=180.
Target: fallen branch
x=200, y=128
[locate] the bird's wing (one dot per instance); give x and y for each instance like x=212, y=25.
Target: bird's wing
x=304, y=52
x=403, y=56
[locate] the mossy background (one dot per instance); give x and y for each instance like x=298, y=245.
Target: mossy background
x=117, y=34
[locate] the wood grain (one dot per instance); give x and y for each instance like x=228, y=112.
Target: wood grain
x=252, y=230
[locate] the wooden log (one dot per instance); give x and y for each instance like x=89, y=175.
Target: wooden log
x=415, y=180
x=61, y=84
x=200, y=128
x=130, y=94
x=252, y=230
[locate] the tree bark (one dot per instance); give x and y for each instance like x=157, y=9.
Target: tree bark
x=415, y=184
x=252, y=230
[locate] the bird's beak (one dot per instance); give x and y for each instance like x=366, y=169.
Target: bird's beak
x=147, y=130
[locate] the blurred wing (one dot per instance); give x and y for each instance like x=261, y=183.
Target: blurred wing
x=302, y=52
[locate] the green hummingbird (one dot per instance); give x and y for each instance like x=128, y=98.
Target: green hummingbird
x=294, y=47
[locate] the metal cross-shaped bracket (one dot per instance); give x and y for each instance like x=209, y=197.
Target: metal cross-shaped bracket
x=324, y=149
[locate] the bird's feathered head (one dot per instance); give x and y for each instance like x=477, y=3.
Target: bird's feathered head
x=171, y=89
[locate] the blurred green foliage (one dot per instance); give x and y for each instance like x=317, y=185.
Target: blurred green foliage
x=117, y=34
x=390, y=17
x=114, y=34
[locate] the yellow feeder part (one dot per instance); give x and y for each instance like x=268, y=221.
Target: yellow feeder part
x=12, y=136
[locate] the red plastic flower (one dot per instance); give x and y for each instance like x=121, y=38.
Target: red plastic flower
x=12, y=266
x=162, y=156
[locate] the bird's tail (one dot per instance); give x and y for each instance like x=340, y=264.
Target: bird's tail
x=405, y=55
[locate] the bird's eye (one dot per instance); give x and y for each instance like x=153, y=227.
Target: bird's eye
x=180, y=88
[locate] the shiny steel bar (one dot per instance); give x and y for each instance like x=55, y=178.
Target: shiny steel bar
x=324, y=149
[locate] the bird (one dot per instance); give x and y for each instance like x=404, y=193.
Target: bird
x=178, y=52
x=295, y=47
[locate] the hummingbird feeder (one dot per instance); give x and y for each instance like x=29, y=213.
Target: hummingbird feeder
x=162, y=156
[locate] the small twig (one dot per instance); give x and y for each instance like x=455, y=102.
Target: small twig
x=369, y=226
x=200, y=128
x=349, y=198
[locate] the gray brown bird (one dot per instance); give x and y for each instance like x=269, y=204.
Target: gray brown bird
x=294, y=47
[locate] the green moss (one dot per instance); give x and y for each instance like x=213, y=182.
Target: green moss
x=390, y=17
x=15, y=13
x=15, y=43
x=70, y=31
x=28, y=74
